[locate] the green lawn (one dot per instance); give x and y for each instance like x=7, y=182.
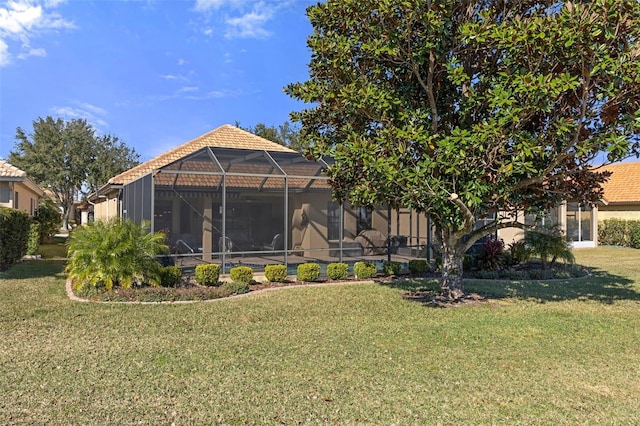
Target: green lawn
x=543, y=353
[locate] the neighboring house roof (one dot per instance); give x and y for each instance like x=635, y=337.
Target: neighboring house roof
x=11, y=173
x=624, y=184
x=225, y=136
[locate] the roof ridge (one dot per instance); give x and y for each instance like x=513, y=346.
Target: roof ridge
x=224, y=136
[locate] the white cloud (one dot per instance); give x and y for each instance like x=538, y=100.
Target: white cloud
x=92, y=113
x=4, y=54
x=33, y=52
x=206, y=5
x=239, y=18
x=250, y=25
x=24, y=20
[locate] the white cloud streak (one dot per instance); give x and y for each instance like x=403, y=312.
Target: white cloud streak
x=94, y=115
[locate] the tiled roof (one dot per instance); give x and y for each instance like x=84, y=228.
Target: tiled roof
x=624, y=184
x=225, y=136
x=9, y=171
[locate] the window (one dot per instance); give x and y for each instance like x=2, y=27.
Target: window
x=364, y=219
x=333, y=221
x=15, y=200
x=578, y=222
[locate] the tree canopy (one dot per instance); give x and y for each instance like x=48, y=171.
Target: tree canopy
x=68, y=158
x=285, y=134
x=462, y=108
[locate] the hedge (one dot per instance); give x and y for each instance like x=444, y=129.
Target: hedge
x=14, y=236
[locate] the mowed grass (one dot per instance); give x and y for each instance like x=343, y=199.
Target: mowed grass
x=540, y=353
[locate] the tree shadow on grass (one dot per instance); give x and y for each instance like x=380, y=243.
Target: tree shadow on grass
x=37, y=268
x=599, y=286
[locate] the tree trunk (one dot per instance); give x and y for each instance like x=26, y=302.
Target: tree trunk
x=452, y=287
x=452, y=271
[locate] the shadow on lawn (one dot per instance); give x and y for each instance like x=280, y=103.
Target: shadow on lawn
x=600, y=286
x=34, y=269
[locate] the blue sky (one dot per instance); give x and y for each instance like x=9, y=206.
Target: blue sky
x=155, y=73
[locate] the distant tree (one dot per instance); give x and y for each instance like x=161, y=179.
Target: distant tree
x=48, y=216
x=286, y=134
x=462, y=108
x=68, y=158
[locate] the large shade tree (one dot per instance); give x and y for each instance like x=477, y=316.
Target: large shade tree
x=69, y=159
x=458, y=109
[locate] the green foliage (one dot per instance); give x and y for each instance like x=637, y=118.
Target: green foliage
x=308, y=271
x=338, y=271
x=614, y=232
x=391, y=268
x=69, y=158
x=14, y=236
x=419, y=266
x=170, y=276
x=364, y=270
x=117, y=253
x=634, y=234
x=48, y=216
x=236, y=287
x=468, y=262
x=518, y=252
x=275, y=273
x=619, y=232
x=464, y=108
x=549, y=244
x=34, y=238
x=241, y=274
x=286, y=134
x=207, y=274
x=492, y=256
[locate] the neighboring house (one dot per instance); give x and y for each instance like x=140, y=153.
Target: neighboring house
x=17, y=191
x=621, y=193
x=230, y=193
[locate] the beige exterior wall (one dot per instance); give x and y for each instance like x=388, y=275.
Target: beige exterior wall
x=106, y=209
x=26, y=200
x=626, y=212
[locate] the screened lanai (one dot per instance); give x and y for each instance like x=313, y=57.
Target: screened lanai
x=254, y=205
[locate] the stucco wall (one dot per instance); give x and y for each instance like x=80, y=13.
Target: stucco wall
x=626, y=212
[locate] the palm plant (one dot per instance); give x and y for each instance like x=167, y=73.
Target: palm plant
x=549, y=244
x=114, y=253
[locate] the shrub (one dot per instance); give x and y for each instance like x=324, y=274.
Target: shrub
x=364, y=270
x=549, y=244
x=241, y=274
x=275, y=273
x=419, y=266
x=49, y=218
x=338, y=271
x=467, y=262
x=308, y=272
x=634, y=233
x=613, y=232
x=208, y=274
x=170, y=276
x=519, y=252
x=117, y=253
x=34, y=238
x=236, y=287
x=491, y=258
x=391, y=267
x=14, y=235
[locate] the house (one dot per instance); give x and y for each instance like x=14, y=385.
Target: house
x=17, y=190
x=234, y=197
x=621, y=193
